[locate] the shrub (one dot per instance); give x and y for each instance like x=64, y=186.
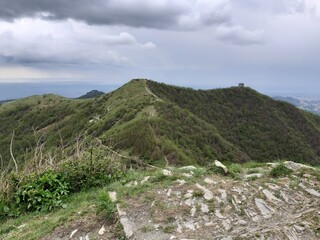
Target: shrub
x=42, y=193
x=87, y=173
x=105, y=207
x=280, y=171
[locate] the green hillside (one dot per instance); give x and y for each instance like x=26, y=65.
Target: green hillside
x=261, y=127
x=162, y=125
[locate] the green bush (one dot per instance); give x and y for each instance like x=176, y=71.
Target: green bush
x=280, y=171
x=105, y=207
x=88, y=173
x=42, y=193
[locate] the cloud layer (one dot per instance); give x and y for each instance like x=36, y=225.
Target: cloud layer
x=163, y=14
x=63, y=43
x=185, y=40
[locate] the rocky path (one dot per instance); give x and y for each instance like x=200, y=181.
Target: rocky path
x=214, y=207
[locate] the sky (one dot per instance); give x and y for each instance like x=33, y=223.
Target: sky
x=70, y=47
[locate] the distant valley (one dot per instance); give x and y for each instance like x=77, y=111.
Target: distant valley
x=310, y=105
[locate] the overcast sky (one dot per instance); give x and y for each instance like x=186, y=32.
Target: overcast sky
x=271, y=45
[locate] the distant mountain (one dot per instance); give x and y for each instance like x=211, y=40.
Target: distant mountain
x=91, y=94
x=165, y=124
x=307, y=105
x=5, y=101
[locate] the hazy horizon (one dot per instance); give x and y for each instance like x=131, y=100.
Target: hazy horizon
x=272, y=46
x=73, y=89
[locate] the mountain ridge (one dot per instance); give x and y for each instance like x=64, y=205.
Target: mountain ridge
x=164, y=124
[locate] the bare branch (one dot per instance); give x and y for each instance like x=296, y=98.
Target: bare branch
x=11, y=152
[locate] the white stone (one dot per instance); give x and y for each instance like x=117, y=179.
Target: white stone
x=102, y=231
x=208, y=195
x=188, y=168
x=120, y=212
x=204, y=208
x=209, y=181
x=188, y=195
x=253, y=175
x=187, y=175
x=242, y=222
x=188, y=202
x=270, y=196
x=209, y=224
x=190, y=225
x=169, y=193
x=310, y=190
x=22, y=226
x=296, y=166
x=219, y=164
x=193, y=211
x=223, y=195
x=226, y=224
x=127, y=228
x=166, y=172
x=145, y=180
x=113, y=196
x=227, y=238
x=181, y=182
x=264, y=208
x=73, y=233
x=218, y=214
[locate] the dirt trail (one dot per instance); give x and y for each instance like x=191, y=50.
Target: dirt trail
x=226, y=209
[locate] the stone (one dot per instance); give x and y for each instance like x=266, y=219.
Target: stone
x=127, y=228
x=188, y=195
x=120, y=212
x=253, y=175
x=187, y=175
x=190, y=225
x=219, y=164
x=227, y=238
x=188, y=202
x=263, y=208
x=102, y=231
x=113, y=196
x=296, y=166
x=208, y=195
x=226, y=224
x=73, y=233
x=209, y=224
x=193, y=211
x=145, y=179
x=181, y=182
x=169, y=193
x=223, y=195
x=188, y=168
x=218, y=214
x=167, y=173
x=270, y=196
x=310, y=190
x=22, y=226
x=204, y=208
x=209, y=181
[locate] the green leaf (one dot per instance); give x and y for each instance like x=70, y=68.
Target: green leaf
x=6, y=209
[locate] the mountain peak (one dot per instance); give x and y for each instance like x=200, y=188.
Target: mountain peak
x=91, y=94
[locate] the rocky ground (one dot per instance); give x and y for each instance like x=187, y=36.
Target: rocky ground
x=190, y=203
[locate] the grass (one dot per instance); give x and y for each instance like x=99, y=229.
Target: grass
x=38, y=225
x=280, y=171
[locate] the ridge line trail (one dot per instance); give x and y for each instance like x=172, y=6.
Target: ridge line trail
x=151, y=93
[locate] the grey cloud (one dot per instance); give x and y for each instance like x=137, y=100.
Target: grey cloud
x=160, y=14
x=238, y=35
x=274, y=6
x=69, y=49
